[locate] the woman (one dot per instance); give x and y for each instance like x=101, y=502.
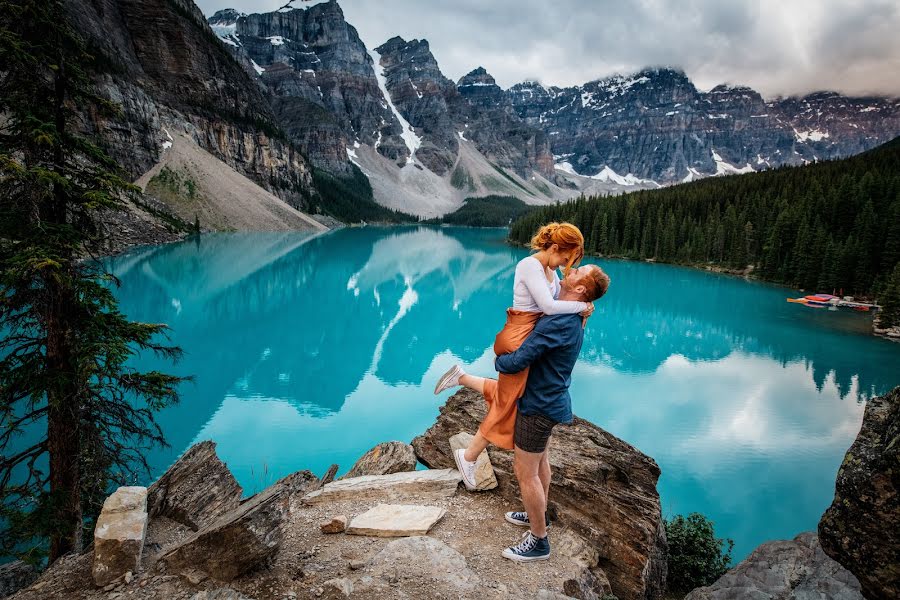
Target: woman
x=535, y=288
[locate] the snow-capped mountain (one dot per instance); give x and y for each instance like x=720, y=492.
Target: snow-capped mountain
x=656, y=125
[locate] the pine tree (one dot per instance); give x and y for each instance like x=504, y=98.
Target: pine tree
x=63, y=375
x=889, y=316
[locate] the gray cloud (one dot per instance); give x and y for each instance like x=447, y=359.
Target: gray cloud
x=778, y=47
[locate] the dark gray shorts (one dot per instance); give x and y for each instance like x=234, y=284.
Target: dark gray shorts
x=532, y=432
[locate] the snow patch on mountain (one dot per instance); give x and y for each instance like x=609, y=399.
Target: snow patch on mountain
x=693, y=175
x=409, y=136
x=812, y=135
x=723, y=167
x=259, y=70
x=606, y=175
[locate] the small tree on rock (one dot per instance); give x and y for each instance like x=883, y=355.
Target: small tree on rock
x=696, y=555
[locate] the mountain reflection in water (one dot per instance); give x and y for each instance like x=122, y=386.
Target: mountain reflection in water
x=309, y=350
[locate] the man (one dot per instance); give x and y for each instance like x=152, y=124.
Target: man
x=551, y=351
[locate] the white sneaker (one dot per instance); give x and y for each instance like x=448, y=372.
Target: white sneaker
x=449, y=379
x=466, y=469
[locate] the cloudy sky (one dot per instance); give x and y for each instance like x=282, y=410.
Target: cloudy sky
x=778, y=47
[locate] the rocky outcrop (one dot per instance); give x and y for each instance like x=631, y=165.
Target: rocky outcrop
x=784, y=570
x=119, y=535
x=196, y=490
x=602, y=489
x=239, y=541
x=861, y=528
x=384, y=459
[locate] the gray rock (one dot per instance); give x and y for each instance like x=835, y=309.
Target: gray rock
x=589, y=584
x=119, y=535
x=861, y=528
x=396, y=520
x=238, y=542
x=623, y=529
x=436, y=483
x=384, y=459
x=784, y=570
x=406, y=566
x=15, y=576
x=337, y=588
x=196, y=490
x=328, y=477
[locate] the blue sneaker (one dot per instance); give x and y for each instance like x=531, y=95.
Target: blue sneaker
x=520, y=518
x=529, y=549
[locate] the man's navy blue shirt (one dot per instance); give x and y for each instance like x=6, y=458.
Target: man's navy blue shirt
x=551, y=351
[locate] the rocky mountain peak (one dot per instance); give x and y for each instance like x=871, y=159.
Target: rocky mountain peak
x=477, y=77
x=226, y=16
x=293, y=5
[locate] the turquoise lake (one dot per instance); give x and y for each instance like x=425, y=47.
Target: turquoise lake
x=308, y=351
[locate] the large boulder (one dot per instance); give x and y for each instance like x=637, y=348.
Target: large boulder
x=861, y=528
x=784, y=570
x=602, y=488
x=384, y=459
x=196, y=490
x=238, y=542
x=119, y=535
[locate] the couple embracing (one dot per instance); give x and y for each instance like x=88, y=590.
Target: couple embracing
x=536, y=352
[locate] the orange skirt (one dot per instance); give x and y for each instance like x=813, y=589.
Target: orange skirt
x=502, y=393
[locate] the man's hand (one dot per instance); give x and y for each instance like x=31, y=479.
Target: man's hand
x=587, y=313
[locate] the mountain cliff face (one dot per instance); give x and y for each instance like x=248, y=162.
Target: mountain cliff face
x=160, y=61
x=656, y=125
x=273, y=94
x=331, y=93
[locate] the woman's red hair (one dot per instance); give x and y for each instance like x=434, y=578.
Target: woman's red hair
x=566, y=237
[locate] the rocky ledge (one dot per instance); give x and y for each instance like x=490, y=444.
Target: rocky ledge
x=861, y=528
x=382, y=530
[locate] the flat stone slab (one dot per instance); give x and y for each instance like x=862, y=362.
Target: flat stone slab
x=396, y=520
x=484, y=470
x=433, y=483
x=119, y=534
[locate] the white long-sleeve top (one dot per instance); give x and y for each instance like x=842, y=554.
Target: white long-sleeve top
x=532, y=292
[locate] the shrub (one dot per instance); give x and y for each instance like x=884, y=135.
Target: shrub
x=696, y=555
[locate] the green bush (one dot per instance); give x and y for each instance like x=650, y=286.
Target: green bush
x=696, y=555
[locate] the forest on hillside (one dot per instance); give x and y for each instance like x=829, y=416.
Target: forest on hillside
x=829, y=226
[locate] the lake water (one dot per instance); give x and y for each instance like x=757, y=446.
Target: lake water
x=308, y=351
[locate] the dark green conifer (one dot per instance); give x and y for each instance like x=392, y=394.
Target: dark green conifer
x=65, y=345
